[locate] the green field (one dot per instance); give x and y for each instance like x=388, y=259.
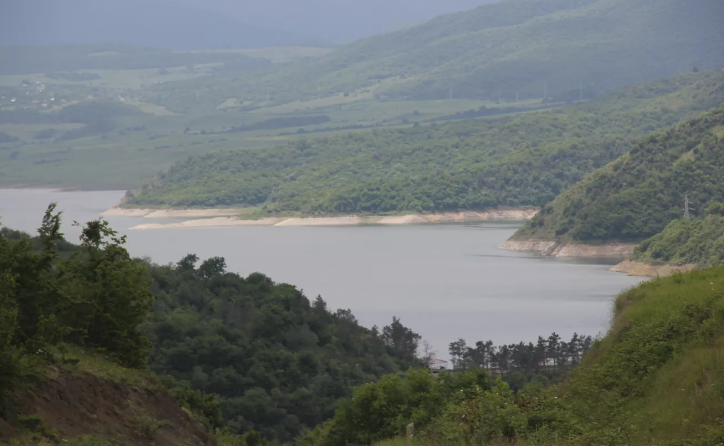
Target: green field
x=123, y=159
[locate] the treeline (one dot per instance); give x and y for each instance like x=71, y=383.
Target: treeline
x=509, y=161
x=483, y=111
x=637, y=196
x=280, y=123
x=545, y=356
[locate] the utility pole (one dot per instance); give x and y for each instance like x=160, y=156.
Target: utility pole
x=687, y=208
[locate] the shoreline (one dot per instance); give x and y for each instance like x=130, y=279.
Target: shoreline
x=553, y=248
x=208, y=218
x=641, y=269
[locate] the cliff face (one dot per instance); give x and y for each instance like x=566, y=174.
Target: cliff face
x=555, y=248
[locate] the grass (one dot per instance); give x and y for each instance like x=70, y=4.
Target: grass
x=97, y=365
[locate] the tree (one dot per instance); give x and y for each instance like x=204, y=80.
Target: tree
x=212, y=267
x=458, y=350
x=106, y=296
x=401, y=339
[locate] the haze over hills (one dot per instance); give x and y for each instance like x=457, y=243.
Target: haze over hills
x=207, y=24
x=516, y=46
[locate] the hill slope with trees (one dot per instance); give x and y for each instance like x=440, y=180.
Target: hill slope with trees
x=243, y=354
x=500, y=49
x=523, y=160
x=639, y=194
x=655, y=379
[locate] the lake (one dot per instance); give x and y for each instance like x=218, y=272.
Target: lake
x=444, y=281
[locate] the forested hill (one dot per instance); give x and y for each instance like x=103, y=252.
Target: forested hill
x=636, y=196
x=523, y=160
x=513, y=46
x=241, y=353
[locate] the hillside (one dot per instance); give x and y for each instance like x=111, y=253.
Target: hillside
x=685, y=242
x=498, y=50
x=639, y=194
x=240, y=354
x=521, y=160
x=655, y=379
x=90, y=400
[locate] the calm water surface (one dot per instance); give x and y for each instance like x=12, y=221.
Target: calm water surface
x=445, y=281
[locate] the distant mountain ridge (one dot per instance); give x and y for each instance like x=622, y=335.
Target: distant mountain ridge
x=157, y=23
x=522, y=48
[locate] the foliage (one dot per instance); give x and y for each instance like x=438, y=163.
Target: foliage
x=514, y=161
x=699, y=241
x=277, y=361
x=382, y=410
x=655, y=379
x=94, y=296
x=640, y=193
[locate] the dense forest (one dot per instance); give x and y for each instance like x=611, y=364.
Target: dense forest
x=524, y=47
x=653, y=380
x=248, y=353
x=638, y=195
x=523, y=160
x=278, y=362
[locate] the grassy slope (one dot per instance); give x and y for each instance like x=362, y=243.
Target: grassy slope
x=636, y=196
x=658, y=373
x=521, y=161
x=503, y=48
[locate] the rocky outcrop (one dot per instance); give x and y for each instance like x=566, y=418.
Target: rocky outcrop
x=555, y=248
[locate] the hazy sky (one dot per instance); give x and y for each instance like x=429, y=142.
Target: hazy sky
x=220, y=23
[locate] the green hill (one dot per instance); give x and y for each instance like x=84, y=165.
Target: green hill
x=685, y=242
x=521, y=160
x=639, y=194
x=655, y=379
x=496, y=50
x=240, y=353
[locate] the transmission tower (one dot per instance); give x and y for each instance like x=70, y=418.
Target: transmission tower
x=687, y=208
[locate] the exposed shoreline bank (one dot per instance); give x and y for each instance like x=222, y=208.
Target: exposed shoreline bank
x=634, y=268
x=553, y=248
x=227, y=217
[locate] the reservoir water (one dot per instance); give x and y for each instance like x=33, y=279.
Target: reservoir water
x=444, y=281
